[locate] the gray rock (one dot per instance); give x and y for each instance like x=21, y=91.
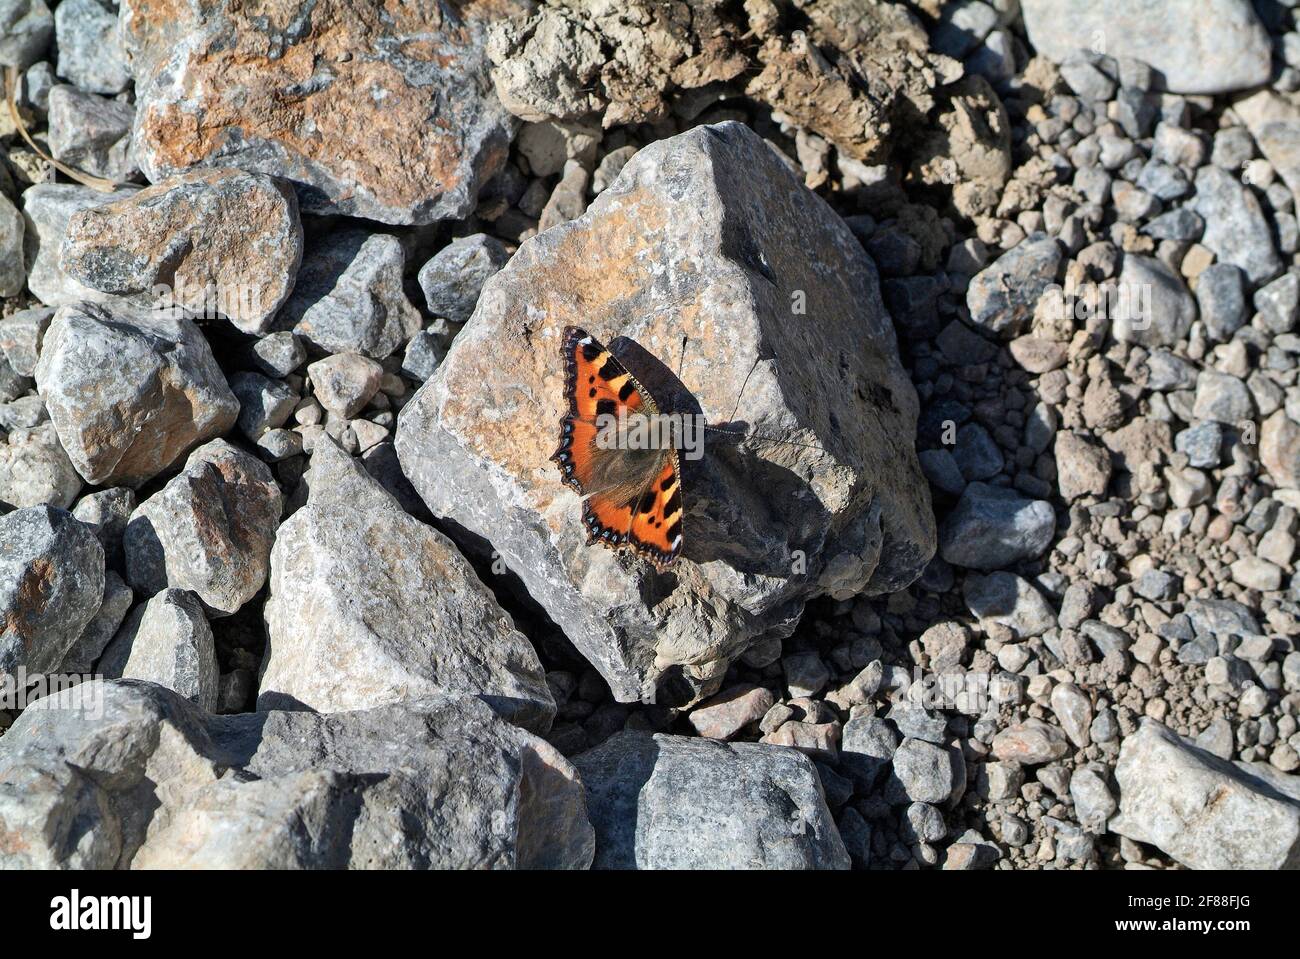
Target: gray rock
x=85, y=651
x=1083, y=467
x=278, y=354
x=47, y=208
x=925, y=772
x=51, y=586
x=370, y=606
x=13, y=273
x=349, y=296
x=962, y=26
x=423, y=354
x=35, y=470
x=453, y=279
x=1236, y=230
x=107, y=513
x=1205, y=812
x=1093, y=802
x=1073, y=709
x=1002, y=296
x=1203, y=444
x=345, y=383
x=130, y=395
x=924, y=823
x=167, y=641
x=1083, y=77
x=405, y=129
x=914, y=722
x=1007, y=599
x=123, y=773
x=976, y=453
x=24, y=413
x=1221, y=617
x=1220, y=291
x=1277, y=303
x=1155, y=308
x=1211, y=47
x=91, y=133
x=867, y=746
x=992, y=526
x=209, y=530
x=20, y=338
x=1274, y=123
x=853, y=501
x=90, y=50
x=1180, y=224
x=26, y=27
x=213, y=244
x=1164, y=181
x=264, y=404
x=672, y=802
x=940, y=468
x=1223, y=398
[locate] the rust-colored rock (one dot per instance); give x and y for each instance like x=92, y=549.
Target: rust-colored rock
x=376, y=110
x=222, y=241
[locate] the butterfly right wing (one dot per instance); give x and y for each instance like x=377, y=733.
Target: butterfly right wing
x=638, y=511
x=595, y=384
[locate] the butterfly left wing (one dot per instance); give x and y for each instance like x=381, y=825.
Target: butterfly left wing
x=631, y=498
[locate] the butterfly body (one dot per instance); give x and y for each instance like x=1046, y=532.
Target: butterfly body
x=631, y=493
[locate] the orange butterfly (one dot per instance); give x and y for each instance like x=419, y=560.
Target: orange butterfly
x=632, y=496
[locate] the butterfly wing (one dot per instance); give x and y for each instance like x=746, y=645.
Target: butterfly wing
x=627, y=495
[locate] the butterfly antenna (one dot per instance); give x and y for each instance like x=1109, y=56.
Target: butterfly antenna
x=741, y=394
x=681, y=360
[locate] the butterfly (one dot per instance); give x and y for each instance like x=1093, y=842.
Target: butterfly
x=632, y=498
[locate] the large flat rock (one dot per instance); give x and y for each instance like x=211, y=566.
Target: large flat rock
x=708, y=253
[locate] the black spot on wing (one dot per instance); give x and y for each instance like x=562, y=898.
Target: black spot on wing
x=605, y=407
x=627, y=390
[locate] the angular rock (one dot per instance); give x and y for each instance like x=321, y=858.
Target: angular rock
x=123, y=773
x=730, y=711
x=345, y=383
x=1279, y=449
x=1007, y=599
x=993, y=526
x=1083, y=468
x=453, y=279
x=81, y=657
x=867, y=747
x=382, y=113
x=1221, y=295
x=672, y=802
x=129, y=395
x=167, y=641
x=1203, y=811
x=214, y=243
x=1002, y=296
x=1211, y=46
x=20, y=338
x=13, y=274
x=47, y=208
x=1274, y=123
x=1154, y=306
x=209, y=530
x=107, y=512
x=90, y=50
x=349, y=296
x=91, y=133
x=264, y=404
x=35, y=470
x=51, y=586
x=1236, y=230
x=925, y=772
x=26, y=27
x=370, y=606
x=651, y=259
